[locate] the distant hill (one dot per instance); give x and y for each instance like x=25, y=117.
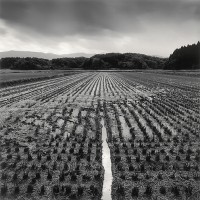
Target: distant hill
x=123, y=61
x=187, y=57
x=49, y=56
x=99, y=61
x=33, y=63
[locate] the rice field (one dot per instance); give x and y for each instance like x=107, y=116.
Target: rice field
x=101, y=135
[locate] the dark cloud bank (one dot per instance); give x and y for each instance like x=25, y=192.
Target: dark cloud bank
x=97, y=18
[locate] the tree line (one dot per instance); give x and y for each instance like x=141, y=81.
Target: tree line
x=100, y=61
x=187, y=57
x=40, y=63
x=124, y=61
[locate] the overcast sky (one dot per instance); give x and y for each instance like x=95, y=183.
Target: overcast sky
x=154, y=27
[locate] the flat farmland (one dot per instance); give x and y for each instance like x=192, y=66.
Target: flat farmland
x=7, y=75
x=101, y=135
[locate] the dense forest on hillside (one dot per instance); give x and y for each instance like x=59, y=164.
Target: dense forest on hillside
x=67, y=63
x=187, y=57
x=100, y=61
x=25, y=63
x=124, y=61
x=182, y=58
x=41, y=64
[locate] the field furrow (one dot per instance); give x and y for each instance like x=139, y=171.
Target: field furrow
x=101, y=135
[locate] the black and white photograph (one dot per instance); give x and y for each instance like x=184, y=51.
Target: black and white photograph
x=99, y=99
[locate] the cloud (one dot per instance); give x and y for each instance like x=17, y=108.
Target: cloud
x=88, y=17
x=100, y=25
x=3, y=31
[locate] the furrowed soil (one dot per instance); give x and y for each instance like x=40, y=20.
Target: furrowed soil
x=101, y=135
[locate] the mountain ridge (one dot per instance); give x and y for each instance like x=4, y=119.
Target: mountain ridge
x=185, y=57
x=49, y=56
